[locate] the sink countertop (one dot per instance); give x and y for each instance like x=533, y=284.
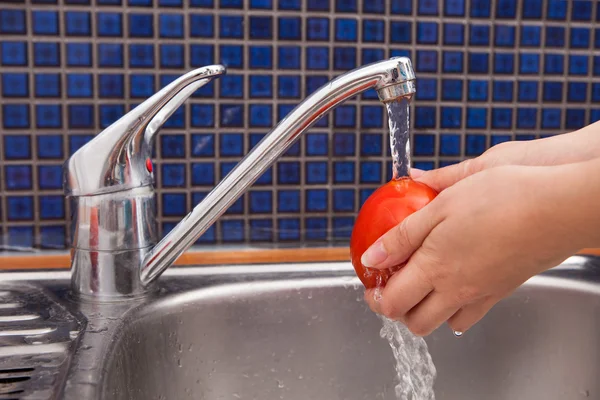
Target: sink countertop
x=218, y=255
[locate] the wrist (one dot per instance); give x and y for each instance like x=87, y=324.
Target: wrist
x=572, y=192
x=578, y=146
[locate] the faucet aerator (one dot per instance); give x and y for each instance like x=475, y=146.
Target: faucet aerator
x=399, y=83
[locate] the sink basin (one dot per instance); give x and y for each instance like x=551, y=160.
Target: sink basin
x=303, y=332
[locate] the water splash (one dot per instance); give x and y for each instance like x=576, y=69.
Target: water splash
x=378, y=295
x=399, y=125
x=414, y=366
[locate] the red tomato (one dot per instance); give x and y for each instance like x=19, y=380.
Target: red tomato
x=383, y=210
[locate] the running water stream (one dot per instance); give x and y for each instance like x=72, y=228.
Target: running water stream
x=399, y=126
x=414, y=367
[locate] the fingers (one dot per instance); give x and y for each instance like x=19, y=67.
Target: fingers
x=396, y=246
x=442, y=178
x=400, y=242
x=416, y=173
x=404, y=290
x=470, y=314
x=430, y=314
x=409, y=296
x=372, y=300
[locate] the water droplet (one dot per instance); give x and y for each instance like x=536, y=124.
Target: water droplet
x=457, y=333
x=377, y=295
x=179, y=363
x=190, y=347
x=180, y=348
x=280, y=384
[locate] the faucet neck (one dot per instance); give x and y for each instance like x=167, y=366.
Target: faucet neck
x=393, y=79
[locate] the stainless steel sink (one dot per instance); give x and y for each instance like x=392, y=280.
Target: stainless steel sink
x=303, y=332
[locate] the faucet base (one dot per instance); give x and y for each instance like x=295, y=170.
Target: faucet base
x=112, y=234
x=108, y=276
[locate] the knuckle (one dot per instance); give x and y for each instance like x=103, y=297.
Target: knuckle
x=402, y=235
x=472, y=166
x=429, y=270
x=499, y=148
x=439, y=273
x=440, y=205
x=467, y=294
x=389, y=310
x=418, y=327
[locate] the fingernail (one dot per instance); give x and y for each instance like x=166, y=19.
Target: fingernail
x=374, y=255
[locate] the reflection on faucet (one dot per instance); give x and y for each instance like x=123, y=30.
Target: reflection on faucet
x=125, y=253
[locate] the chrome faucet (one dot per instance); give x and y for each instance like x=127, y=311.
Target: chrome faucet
x=109, y=181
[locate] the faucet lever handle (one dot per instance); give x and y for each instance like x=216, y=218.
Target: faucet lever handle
x=116, y=159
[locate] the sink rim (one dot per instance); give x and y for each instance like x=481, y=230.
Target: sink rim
x=579, y=272
x=575, y=273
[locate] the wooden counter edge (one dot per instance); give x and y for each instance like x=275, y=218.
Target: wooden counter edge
x=221, y=257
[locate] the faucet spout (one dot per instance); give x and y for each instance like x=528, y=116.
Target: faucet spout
x=392, y=79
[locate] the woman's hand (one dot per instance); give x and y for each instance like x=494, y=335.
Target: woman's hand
x=480, y=239
x=578, y=146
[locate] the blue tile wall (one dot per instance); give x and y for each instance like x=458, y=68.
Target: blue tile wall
x=488, y=72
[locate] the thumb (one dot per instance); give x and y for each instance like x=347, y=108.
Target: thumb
x=399, y=243
x=442, y=178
